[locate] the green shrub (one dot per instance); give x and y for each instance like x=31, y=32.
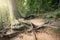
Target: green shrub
x=49, y=16
x=57, y=14
x=3, y=17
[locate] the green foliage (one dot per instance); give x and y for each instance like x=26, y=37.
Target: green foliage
x=3, y=17
x=43, y=16
x=57, y=13
x=36, y=6
x=49, y=16
x=22, y=7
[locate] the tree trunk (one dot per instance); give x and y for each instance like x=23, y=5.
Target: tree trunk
x=13, y=10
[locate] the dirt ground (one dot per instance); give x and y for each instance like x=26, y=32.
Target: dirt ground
x=40, y=35
x=37, y=21
x=37, y=36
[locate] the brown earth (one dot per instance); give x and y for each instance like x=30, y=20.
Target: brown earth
x=41, y=35
x=45, y=34
x=37, y=21
x=37, y=36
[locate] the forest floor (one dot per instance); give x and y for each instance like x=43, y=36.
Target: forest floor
x=45, y=34
x=42, y=34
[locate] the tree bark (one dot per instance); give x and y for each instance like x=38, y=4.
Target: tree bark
x=14, y=9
